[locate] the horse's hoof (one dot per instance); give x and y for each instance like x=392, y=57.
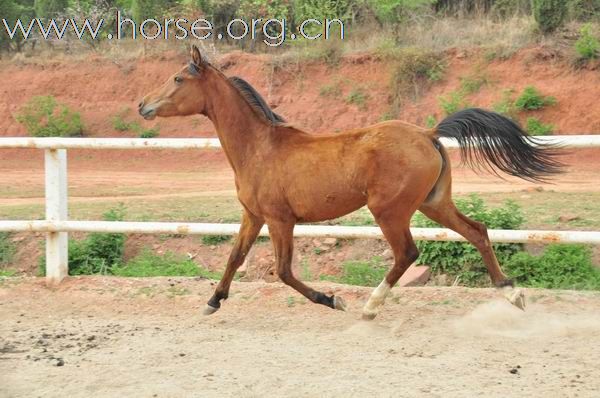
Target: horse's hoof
x=209, y=310
x=516, y=297
x=368, y=316
x=339, y=303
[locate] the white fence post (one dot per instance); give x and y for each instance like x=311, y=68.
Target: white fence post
x=57, y=250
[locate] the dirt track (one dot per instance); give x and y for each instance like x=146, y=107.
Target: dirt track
x=146, y=337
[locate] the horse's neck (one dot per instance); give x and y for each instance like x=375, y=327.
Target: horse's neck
x=242, y=133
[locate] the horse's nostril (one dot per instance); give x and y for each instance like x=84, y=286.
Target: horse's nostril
x=140, y=105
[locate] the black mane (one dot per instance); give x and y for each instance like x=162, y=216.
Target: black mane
x=255, y=100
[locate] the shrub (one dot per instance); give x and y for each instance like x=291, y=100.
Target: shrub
x=120, y=124
x=472, y=84
x=462, y=259
x=397, y=11
x=358, y=97
x=506, y=105
x=149, y=133
x=331, y=90
x=430, y=121
x=148, y=264
x=7, y=272
x=560, y=266
x=7, y=248
x=49, y=8
x=531, y=99
x=360, y=273
x=549, y=14
x=587, y=46
x=99, y=253
x=414, y=68
x=535, y=127
x=453, y=102
x=43, y=116
x=215, y=239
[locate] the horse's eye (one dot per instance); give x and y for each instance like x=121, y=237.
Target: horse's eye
x=178, y=79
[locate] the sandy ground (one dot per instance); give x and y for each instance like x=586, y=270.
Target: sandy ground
x=107, y=337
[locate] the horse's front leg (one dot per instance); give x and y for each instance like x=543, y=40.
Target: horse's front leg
x=282, y=236
x=249, y=230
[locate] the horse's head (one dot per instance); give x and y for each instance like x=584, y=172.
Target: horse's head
x=182, y=94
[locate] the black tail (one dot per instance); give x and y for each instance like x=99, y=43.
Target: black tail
x=496, y=142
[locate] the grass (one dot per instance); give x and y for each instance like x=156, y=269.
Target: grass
x=453, y=102
x=472, y=83
x=358, y=97
x=7, y=248
x=535, y=127
x=211, y=240
x=148, y=264
x=360, y=273
x=7, y=273
x=505, y=105
x=531, y=99
x=306, y=274
x=120, y=124
x=332, y=90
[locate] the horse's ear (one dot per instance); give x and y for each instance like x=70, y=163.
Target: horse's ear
x=196, y=56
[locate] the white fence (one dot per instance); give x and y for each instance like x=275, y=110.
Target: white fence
x=57, y=225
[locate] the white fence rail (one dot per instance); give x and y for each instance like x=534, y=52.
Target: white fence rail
x=57, y=225
x=568, y=141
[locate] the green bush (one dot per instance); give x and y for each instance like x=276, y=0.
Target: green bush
x=506, y=105
x=531, y=99
x=49, y=8
x=149, y=133
x=358, y=97
x=120, y=124
x=549, y=14
x=559, y=267
x=7, y=248
x=535, y=127
x=148, y=264
x=360, y=273
x=508, y=8
x=473, y=83
x=215, y=239
x=43, y=116
x=462, y=259
x=413, y=68
x=7, y=272
x=430, y=121
x=99, y=253
x=321, y=10
x=587, y=46
x=453, y=102
x=398, y=11
x=333, y=90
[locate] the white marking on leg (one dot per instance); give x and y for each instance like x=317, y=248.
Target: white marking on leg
x=376, y=300
x=516, y=296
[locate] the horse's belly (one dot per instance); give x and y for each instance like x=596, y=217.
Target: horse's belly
x=326, y=206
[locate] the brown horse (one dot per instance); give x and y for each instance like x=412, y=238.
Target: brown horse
x=284, y=175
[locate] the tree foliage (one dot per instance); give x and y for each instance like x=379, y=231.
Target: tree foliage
x=549, y=14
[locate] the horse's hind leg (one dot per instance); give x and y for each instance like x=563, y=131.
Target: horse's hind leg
x=283, y=244
x=249, y=230
x=442, y=210
x=405, y=253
